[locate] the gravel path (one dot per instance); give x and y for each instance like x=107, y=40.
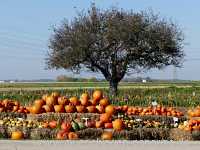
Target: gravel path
x=97, y=145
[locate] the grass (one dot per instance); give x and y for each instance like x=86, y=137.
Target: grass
x=169, y=95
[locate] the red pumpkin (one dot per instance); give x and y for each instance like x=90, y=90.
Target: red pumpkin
x=66, y=126
x=108, y=125
x=53, y=124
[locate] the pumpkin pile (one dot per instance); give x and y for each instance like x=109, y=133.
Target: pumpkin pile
x=194, y=112
x=158, y=110
x=190, y=125
x=7, y=105
x=61, y=104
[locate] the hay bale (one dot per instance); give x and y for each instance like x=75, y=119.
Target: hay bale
x=3, y=133
x=90, y=134
x=42, y=134
x=180, y=135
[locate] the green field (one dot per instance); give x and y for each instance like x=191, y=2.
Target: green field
x=140, y=94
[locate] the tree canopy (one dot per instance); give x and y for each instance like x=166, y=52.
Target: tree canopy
x=115, y=42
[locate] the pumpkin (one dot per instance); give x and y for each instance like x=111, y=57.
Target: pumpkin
x=98, y=124
x=35, y=109
x=100, y=109
x=16, y=103
x=118, y=124
x=50, y=100
x=44, y=97
x=15, y=108
x=74, y=101
x=97, y=95
x=53, y=124
x=108, y=125
x=55, y=95
x=2, y=109
x=84, y=99
x=91, y=109
x=61, y=135
x=104, y=102
x=110, y=109
x=72, y=136
x=124, y=108
x=62, y=101
x=107, y=135
x=66, y=126
x=45, y=124
x=80, y=109
x=105, y=117
x=59, y=108
x=47, y=108
x=17, y=135
x=69, y=109
x=39, y=102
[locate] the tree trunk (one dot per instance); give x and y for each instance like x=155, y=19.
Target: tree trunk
x=113, y=88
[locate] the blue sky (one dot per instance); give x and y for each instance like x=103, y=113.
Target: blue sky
x=25, y=27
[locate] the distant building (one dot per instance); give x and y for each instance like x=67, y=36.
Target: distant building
x=2, y=81
x=12, y=81
x=144, y=81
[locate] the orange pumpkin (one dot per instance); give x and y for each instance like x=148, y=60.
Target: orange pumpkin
x=47, y=108
x=44, y=97
x=105, y=117
x=100, y=109
x=35, y=109
x=72, y=136
x=50, y=100
x=62, y=101
x=74, y=101
x=80, y=109
x=69, y=109
x=110, y=109
x=118, y=124
x=107, y=135
x=39, y=102
x=55, y=94
x=91, y=109
x=17, y=135
x=97, y=95
x=104, y=102
x=84, y=99
x=59, y=108
x=98, y=124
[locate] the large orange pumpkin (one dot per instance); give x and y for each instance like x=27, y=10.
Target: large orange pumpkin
x=110, y=109
x=74, y=101
x=84, y=99
x=105, y=117
x=59, y=108
x=72, y=136
x=97, y=95
x=107, y=135
x=39, y=102
x=17, y=135
x=118, y=124
x=50, y=100
x=104, y=102
x=69, y=109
